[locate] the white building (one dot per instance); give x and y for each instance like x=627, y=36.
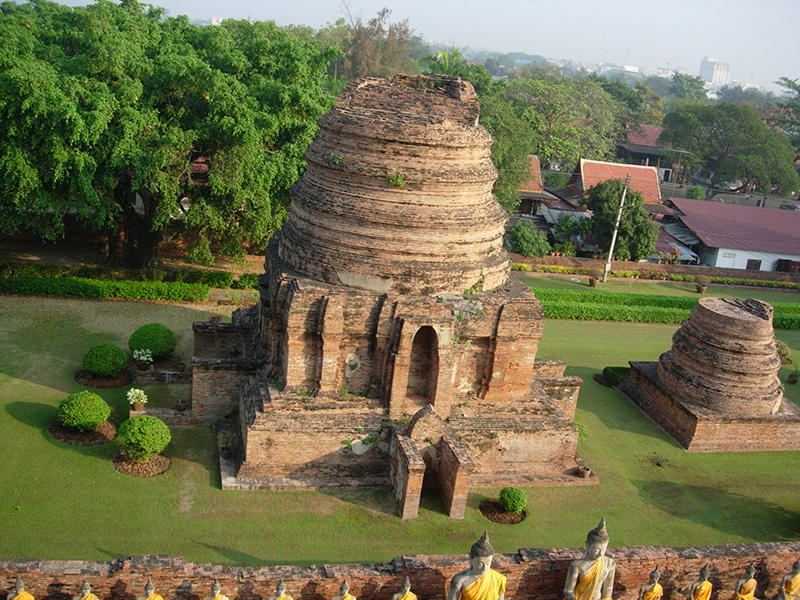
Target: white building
x=736, y=236
x=715, y=72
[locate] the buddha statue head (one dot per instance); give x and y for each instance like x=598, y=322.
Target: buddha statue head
x=750, y=571
x=406, y=586
x=654, y=575
x=216, y=588
x=149, y=588
x=280, y=590
x=86, y=589
x=19, y=586
x=344, y=589
x=480, y=555
x=597, y=541
x=796, y=566
x=704, y=573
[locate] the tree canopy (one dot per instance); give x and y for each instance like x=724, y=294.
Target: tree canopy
x=637, y=233
x=734, y=145
x=105, y=108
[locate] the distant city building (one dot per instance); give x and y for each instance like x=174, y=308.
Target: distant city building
x=714, y=72
x=216, y=20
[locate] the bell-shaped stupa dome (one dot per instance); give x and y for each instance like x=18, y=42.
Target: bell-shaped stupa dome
x=397, y=195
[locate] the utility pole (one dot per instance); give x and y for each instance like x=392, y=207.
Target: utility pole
x=616, y=228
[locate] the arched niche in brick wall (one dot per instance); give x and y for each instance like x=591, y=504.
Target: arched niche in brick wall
x=423, y=371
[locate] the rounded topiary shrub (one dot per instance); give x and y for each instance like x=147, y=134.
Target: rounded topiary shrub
x=155, y=337
x=144, y=436
x=513, y=499
x=83, y=411
x=105, y=360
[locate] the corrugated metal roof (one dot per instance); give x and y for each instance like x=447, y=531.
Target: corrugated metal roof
x=740, y=227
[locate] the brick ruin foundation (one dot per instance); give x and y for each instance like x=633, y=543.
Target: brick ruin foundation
x=532, y=574
x=389, y=347
x=717, y=389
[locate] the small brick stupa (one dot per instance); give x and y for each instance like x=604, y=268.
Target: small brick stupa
x=389, y=347
x=717, y=389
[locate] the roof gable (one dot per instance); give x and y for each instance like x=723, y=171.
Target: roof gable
x=534, y=185
x=740, y=227
x=643, y=179
x=644, y=135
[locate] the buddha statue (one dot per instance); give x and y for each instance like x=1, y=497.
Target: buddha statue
x=591, y=577
x=405, y=592
x=701, y=589
x=790, y=584
x=149, y=592
x=652, y=590
x=19, y=592
x=216, y=590
x=86, y=592
x=344, y=592
x=746, y=586
x=479, y=582
x=280, y=592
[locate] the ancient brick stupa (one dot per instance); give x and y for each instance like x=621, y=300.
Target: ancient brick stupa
x=389, y=347
x=717, y=389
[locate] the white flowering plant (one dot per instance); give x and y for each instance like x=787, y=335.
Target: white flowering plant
x=137, y=395
x=143, y=356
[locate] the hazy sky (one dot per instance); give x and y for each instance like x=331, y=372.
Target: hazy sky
x=756, y=37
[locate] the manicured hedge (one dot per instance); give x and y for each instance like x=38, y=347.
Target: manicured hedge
x=606, y=312
x=614, y=298
x=592, y=305
x=94, y=288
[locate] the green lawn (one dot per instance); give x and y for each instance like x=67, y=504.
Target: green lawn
x=66, y=502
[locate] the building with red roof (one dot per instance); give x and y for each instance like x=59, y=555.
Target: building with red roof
x=531, y=192
x=644, y=179
x=736, y=236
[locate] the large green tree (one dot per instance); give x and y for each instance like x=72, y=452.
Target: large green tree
x=637, y=232
x=787, y=117
x=104, y=109
x=732, y=143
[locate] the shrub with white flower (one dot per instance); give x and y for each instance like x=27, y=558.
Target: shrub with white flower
x=137, y=395
x=143, y=356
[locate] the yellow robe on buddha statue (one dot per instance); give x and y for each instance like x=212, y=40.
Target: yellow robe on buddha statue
x=489, y=587
x=747, y=591
x=288, y=597
x=655, y=593
x=792, y=586
x=348, y=597
x=23, y=595
x=702, y=591
x=153, y=597
x=409, y=595
x=591, y=580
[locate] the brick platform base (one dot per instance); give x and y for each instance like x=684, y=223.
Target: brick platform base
x=697, y=429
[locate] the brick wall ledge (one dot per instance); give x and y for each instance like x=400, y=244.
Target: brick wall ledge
x=532, y=573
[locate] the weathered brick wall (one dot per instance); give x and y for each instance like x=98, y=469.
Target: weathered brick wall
x=533, y=574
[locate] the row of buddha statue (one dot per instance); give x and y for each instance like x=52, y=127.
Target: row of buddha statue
x=590, y=577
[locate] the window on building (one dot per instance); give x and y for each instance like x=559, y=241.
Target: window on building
x=753, y=265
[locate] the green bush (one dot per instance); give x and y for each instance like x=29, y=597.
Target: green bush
x=83, y=411
x=105, y=360
x=155, y=337
x=513, y=499
x=250, y=281
x=520, y=267
x=616, y=374
x=144, y=436
x=555, y=180
x=93, y=288
x=526, y=240
x=695, y=193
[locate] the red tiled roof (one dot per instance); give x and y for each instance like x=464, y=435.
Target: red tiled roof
x=645, y=135
x=643, y=179
x=740, y=227
x=199, y=166
x=534, y=185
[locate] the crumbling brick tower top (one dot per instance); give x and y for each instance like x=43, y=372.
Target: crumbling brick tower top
x=397, y=195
